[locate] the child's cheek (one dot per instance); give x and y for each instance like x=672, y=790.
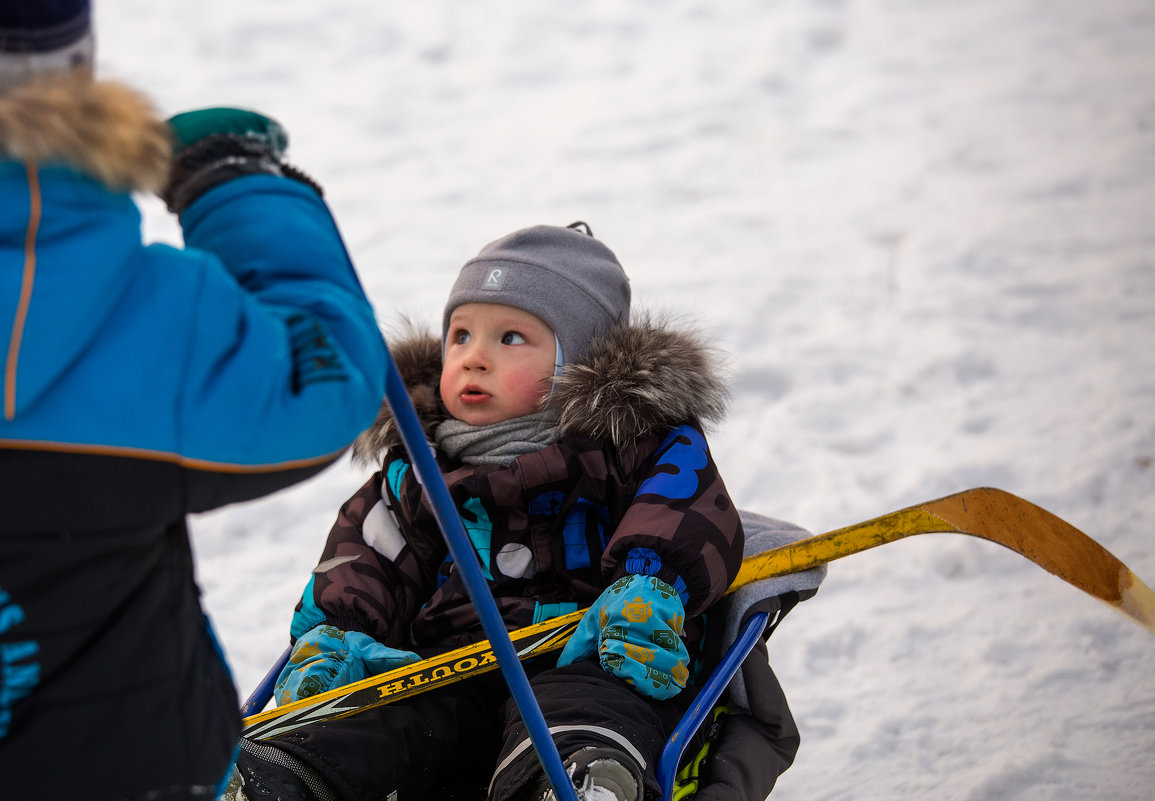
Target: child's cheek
x=529, y=384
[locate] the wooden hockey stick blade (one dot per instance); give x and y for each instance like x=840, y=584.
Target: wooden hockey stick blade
x=990, y=514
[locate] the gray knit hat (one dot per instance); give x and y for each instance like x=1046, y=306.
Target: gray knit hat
x=563, y=276
x=42, y=37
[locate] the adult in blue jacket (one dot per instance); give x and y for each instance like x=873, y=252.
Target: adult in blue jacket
x=141, y=384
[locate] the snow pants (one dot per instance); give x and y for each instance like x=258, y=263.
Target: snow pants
x=466, y=741
x=112, y=686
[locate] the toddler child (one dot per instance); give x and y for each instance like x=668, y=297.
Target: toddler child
x=570, y=438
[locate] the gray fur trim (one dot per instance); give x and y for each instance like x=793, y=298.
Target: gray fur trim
x=417, y=352
x=639, y=380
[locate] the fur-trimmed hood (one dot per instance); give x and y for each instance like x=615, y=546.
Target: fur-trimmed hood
x=102, y=129
x=636, y=381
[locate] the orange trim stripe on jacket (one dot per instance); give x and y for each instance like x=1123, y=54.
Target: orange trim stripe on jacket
x=25, y=291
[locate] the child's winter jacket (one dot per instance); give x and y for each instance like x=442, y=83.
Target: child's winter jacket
x=628, y=487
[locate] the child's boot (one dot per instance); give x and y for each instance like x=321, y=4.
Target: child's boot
x=602, y=774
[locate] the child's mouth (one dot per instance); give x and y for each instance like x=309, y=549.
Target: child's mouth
x=473, y=395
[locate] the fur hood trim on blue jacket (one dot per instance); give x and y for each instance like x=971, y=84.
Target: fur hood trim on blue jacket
x=102, y=129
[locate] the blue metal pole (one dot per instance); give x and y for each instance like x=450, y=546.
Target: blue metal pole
x=466, y=559
x=264, y=691
x=703, y=705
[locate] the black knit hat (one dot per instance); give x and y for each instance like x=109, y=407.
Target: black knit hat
x=39, y=37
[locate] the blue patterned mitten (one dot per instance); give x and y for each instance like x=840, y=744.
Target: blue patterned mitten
x=634, y=630
x=327, y=657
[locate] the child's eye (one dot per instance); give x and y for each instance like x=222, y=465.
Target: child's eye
x=512, y=338
x=461, y=337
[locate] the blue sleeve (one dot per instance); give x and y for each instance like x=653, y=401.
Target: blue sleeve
x=289, y=364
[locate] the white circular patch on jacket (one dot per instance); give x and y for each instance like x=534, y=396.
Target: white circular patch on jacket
x=515, y=560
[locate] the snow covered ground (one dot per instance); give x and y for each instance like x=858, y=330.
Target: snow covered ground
x=923, y=229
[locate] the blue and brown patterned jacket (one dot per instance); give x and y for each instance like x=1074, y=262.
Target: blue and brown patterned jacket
x=628, y=487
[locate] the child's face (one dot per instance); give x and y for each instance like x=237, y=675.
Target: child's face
x=499, y=362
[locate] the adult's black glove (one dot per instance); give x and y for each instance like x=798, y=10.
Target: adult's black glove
x=215, y=145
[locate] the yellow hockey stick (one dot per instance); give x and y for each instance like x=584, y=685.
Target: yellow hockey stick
x=991, y=514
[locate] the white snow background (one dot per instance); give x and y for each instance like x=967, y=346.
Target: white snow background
x=924, y=231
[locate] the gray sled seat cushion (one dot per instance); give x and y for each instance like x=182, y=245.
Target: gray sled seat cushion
x=764, y=534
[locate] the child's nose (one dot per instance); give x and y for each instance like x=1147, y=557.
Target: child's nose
x=476, y=357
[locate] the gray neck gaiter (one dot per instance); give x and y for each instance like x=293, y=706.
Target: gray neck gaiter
x=496, y=443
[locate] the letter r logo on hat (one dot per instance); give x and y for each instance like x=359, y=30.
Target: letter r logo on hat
x=494, y=279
